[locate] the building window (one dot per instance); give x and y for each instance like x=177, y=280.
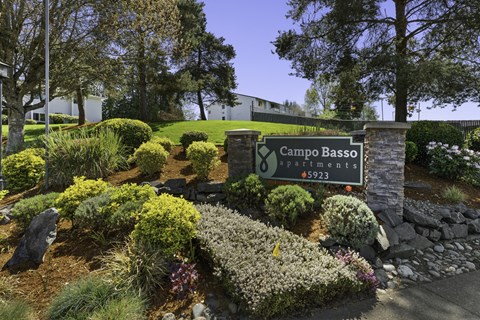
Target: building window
x=223, y=118
x=261, y=103
x=223, y=107
x=209, y=111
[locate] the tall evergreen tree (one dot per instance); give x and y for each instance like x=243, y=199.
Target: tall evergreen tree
x=413, y=50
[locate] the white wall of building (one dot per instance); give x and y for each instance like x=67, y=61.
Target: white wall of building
x=93, y=108
x=242, y=111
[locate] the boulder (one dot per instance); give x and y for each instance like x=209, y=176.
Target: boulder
x=381, y=275
x=405, y=232
x=446, y=232
x=216, y=197
x=210, y=187
x=176, y=183
x=420, y=243
x=390, y=218
x=461, y=207
x=454, y=217
x=434, y=235
x=472, y=214
x=368, y=253
x=155, y=184
x=419, y=218
x=383, y=243
x=474, y=226
x=39, y=235
x=402, y=251
x=422, y=231
x=459, y=230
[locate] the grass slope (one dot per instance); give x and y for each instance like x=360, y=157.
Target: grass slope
x=32, y=131
x=216, y=128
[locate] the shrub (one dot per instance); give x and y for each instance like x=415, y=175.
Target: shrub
x=132, y=132
x=454, y=194
x=125, y=308
x=81, y=154
x=81, y=190
x=30, y=121
x=58, y=118
x=411, y=151
x=244, y=193
x=422, y=132
x=204, y=158
x=4, y=119
x=83, y=298
x=472, y=141
x=15, y=309
x=285, y=203
x=453, y=163
x=114, y=210
x=166, y=143
x=150, y=157
x=241, y=251
x=26, y=209
x=23, y=170
x=191, y=136
x=136, y=266
x=167, y=222
x=349, y=221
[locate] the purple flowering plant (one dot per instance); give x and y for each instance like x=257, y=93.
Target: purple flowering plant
x=364, y=271
x=184, y=278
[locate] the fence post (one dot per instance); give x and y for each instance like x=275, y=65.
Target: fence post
x=384, y=165
x=241, y=151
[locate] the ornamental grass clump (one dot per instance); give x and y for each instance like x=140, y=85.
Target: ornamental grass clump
x=270, y=271
x=285, y=203
x=349, y=221
x=454, y=194
x=204, y=158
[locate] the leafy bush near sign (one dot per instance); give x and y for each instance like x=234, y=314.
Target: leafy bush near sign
x=472, y=141
x=411, y=151
x=246, y=193
x=204, y=158
x=349, y=221
x=285, y=203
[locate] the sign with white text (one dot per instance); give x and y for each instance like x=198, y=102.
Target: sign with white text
x=336, y=160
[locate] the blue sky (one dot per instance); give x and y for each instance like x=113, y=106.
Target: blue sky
x=251, y=25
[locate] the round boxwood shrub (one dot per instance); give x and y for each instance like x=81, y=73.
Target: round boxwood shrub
x=132, y=132
x=411, y=151
x=423, y=132
x=349, y=221
x=245, y=193
x=150, y=157
x=204, y=158
x=190, y=136
x=285, y=203
x=472, y=141
x=23, y=170
x=166, y=143
x=167, y=222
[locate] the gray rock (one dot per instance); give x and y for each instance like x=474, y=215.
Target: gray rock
x=168, y=316
x=461, y=207
x=405, y=232
x=434, y=273
x=460, y=230
x=454, y=217
x=155, y=184
x=216, y=197
x=176, y=183
x=4, y=219
x=446, y=232
x=212, y=302
x=200, y=318
x=420, y=243
x=163, y=190
x=474, y=226
x=383, y=242
x=368, y=253
x=401, y=250
x=391, y=285
x=444, y=212
x=472, y=214
x=210, y=187
x=389, y=267
x=390, y=218
x=377, y=207
x=381, y=275
x=434, y=235
x=233, y=308
x=459, y=246
x=197, y=310
x=411, y=214
x=39, y=235
x=470, y=265
x=423, y=231
x=327, y=241
x=201, y=197
x=404, y=271
x=439, y=248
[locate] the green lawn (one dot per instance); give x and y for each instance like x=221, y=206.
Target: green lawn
x=216, y=128
x=32, y=131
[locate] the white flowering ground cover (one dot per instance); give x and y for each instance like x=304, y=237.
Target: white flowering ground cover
x=270, y=271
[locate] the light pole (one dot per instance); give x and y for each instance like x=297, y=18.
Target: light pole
x=5, y=73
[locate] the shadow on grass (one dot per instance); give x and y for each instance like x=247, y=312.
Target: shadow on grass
x=156, y=126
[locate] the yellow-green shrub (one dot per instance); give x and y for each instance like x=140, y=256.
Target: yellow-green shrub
x=150, y=157
x=133, y=132
x=167, y=222
x=166, y=143
x=79, y=191
x=204, y=158
x=23, y=170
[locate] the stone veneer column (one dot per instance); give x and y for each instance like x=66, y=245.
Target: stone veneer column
x=241, y=151
x=384, y=165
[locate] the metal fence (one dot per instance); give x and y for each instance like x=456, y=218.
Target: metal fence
x=347, y=125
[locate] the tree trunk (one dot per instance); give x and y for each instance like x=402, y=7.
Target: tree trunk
x=16, y=124
x=401, y=81
x=81, y=105
x=200, y=106
x=142, y=84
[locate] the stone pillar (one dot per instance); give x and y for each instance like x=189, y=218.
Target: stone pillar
x=384, y=165
x=241, y=151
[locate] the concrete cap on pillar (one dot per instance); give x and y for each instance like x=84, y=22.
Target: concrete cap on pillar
x=242, y=132
x=387, y=125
